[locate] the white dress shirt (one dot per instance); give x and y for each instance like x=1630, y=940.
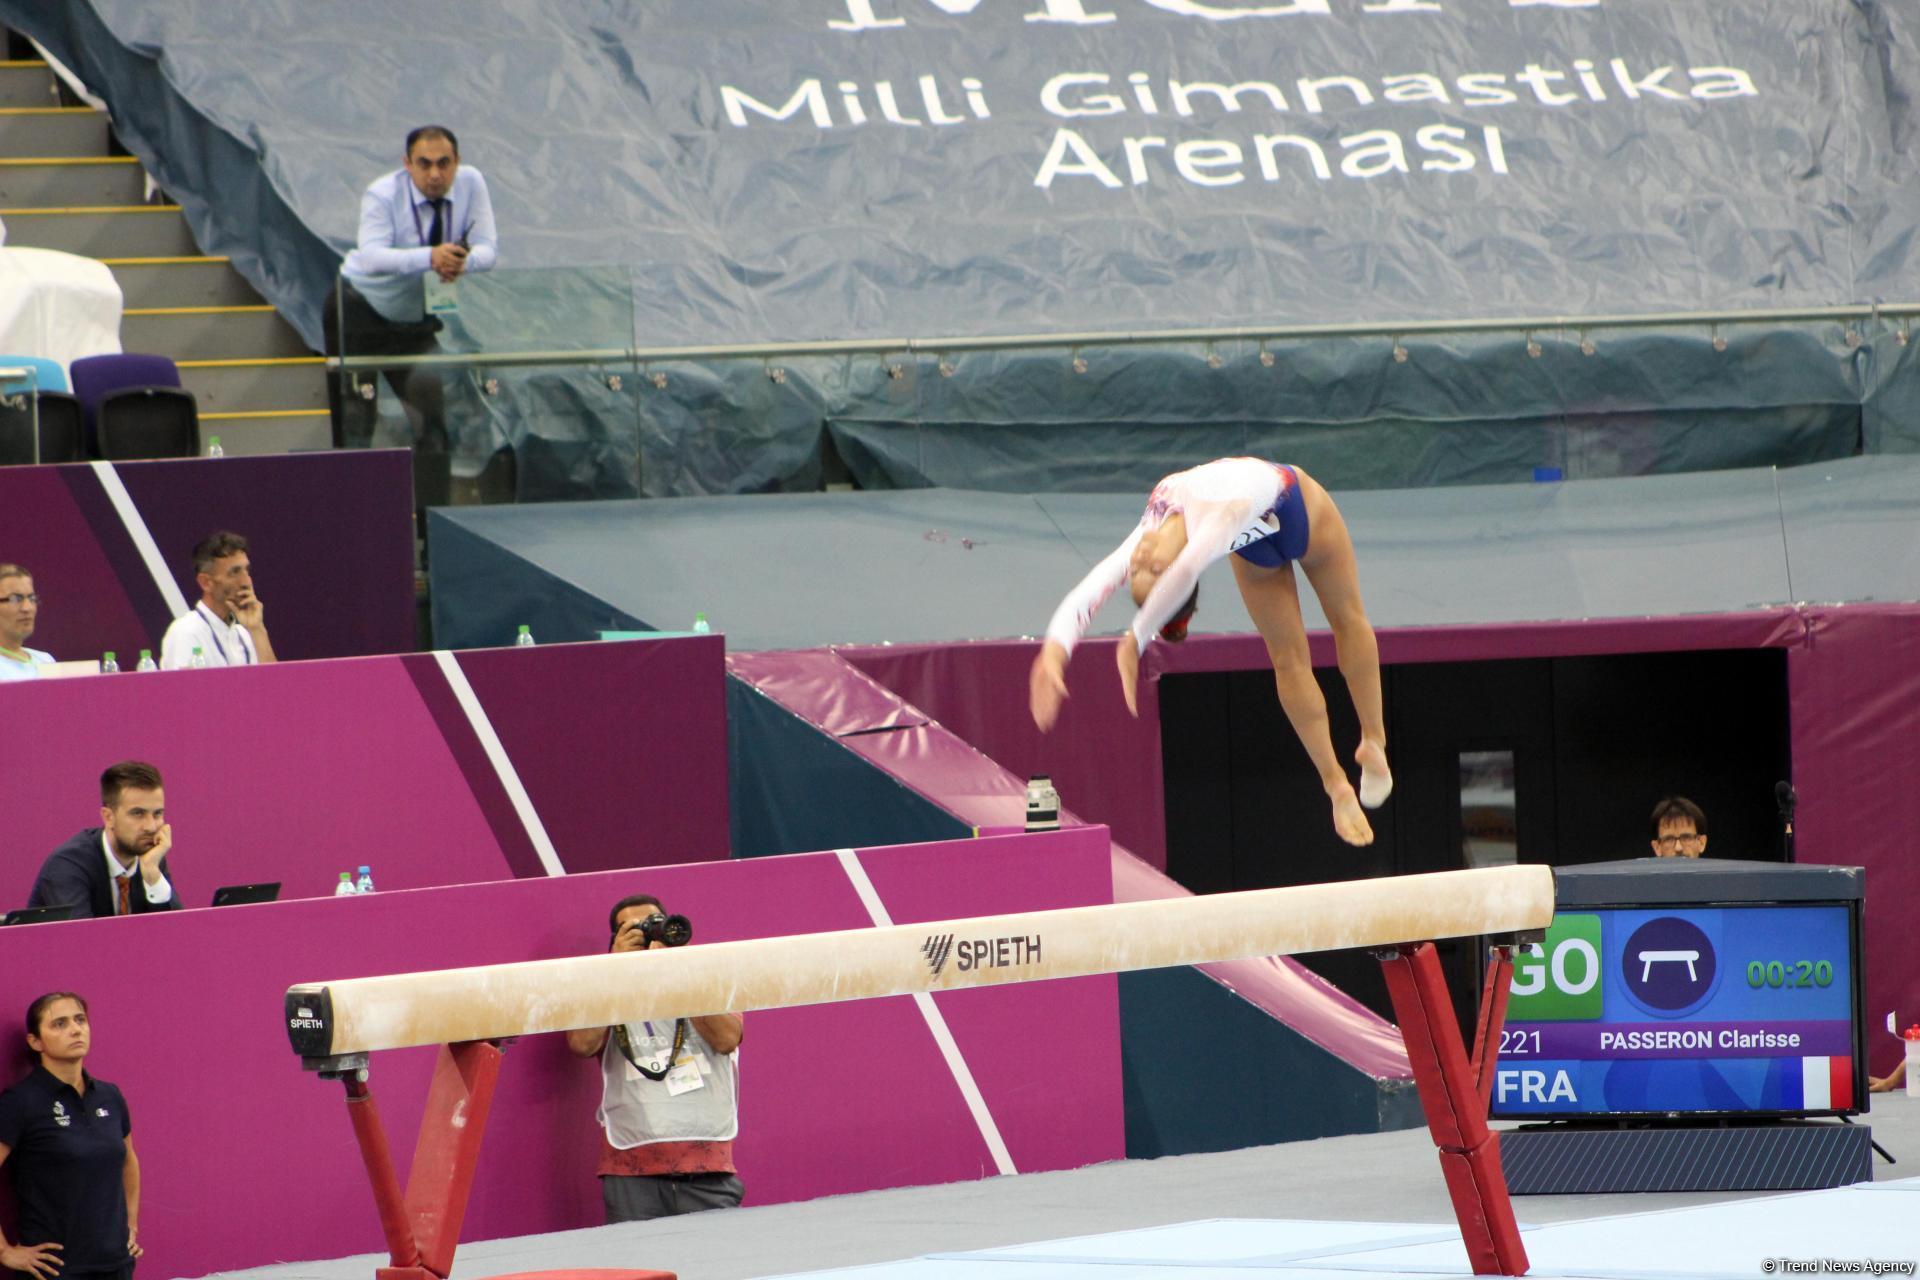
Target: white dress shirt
x=392, y=258
x=157, y=894
x=222, y=644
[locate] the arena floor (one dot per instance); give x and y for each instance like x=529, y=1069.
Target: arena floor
x=1370, y=1204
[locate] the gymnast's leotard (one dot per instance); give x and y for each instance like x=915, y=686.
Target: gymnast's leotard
x=1240, y=506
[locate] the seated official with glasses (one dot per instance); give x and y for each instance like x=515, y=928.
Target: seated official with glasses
x=19, y=610
x=1679, y=829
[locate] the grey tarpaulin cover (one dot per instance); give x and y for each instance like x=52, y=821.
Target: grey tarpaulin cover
x=827, y=169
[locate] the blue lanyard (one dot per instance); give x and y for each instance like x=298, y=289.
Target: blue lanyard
x=213, y=633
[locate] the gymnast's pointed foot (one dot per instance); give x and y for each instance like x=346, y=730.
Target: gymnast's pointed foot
x=1376, y=780
x=1126, y=656
x=1349, y=819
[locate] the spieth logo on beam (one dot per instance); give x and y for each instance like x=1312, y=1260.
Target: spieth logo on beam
x=935, y=949
x=981, y=953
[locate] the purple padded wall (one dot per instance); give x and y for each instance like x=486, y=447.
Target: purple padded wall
x=332, y=537
x=247, y=1160
x=298, y=771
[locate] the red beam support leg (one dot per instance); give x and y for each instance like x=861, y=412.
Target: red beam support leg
x=423, y=1226
x=1493, y=1019
x=448, y=1151
x=1455, y=1108
x=387, y=1200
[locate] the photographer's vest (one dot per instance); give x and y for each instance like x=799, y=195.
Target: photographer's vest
x=637, y=1110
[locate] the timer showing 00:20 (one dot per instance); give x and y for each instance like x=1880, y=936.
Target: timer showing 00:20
x=1800, y=973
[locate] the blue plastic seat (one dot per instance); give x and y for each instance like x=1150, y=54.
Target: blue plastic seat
x=48, y=375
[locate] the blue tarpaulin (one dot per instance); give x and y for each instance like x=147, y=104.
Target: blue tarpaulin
x=875, y=169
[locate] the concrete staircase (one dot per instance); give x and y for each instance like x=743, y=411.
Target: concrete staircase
x=62, y=186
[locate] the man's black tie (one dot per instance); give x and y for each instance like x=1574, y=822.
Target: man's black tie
x=434, y=233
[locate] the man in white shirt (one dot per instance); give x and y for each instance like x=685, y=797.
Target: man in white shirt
x=120, y=867
x=422, y=227
x=19, y=610
x=227, y=626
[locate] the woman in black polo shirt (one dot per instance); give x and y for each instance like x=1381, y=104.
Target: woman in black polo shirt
x=69, y=1144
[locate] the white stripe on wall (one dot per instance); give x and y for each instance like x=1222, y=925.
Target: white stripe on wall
x=936, y=1023
x=136, y=525
x=497, y=754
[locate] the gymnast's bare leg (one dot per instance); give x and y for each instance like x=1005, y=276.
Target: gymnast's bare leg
x=1334, y=573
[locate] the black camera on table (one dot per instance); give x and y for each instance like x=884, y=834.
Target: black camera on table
x=674, y=931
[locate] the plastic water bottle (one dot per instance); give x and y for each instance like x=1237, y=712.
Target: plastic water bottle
x=199, y=658
x=345, y=888
x=108, y=666
x=213, y=448
x=700, y=627
x=146, y=662
x=365, y=883
x=524, y=639
x=1043, y=804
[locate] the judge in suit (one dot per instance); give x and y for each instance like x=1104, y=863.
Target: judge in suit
x=120, y=867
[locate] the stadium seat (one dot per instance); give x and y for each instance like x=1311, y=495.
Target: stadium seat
x=48, y=375
x=147, y=422
x=61, y=435
x=95, y=376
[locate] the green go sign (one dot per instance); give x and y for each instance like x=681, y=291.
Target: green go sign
x=1558, y=980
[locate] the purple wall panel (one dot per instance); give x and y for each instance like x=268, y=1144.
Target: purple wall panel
x=86, y=610
x=332, y=539
x=289, y=773
x=812, y=1120
x=1855, y=691
x=298, y=771
x=661, y=733
x=973, y=887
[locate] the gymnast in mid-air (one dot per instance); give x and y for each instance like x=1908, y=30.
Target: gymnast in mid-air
x=1268, y=517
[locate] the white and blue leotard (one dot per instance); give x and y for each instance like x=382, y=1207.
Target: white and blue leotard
x=1233, y=506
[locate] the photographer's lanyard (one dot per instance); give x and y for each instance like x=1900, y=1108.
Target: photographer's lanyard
x=621, y=1038
x=213, y=633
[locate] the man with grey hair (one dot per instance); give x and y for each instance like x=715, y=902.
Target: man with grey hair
x=227, y=627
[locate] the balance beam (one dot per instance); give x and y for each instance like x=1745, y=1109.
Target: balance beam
x=494, y=1002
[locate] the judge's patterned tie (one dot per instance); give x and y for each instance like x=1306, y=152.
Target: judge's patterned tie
x=126, y=894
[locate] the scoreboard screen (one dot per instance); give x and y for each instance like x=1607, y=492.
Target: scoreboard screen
x=1683, y=1010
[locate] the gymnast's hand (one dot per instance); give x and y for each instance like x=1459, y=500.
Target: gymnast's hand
x=1047, y=685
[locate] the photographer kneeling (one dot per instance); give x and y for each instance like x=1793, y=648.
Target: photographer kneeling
x=670, y=1097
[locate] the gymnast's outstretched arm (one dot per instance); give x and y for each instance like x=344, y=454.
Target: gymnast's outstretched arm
x=1075, y=613
x=1047, y=680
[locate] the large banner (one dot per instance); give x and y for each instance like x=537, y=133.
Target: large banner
x=792, y=169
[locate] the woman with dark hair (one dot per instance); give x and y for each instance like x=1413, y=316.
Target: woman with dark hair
x=1267, y=517
x=69, y=1143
